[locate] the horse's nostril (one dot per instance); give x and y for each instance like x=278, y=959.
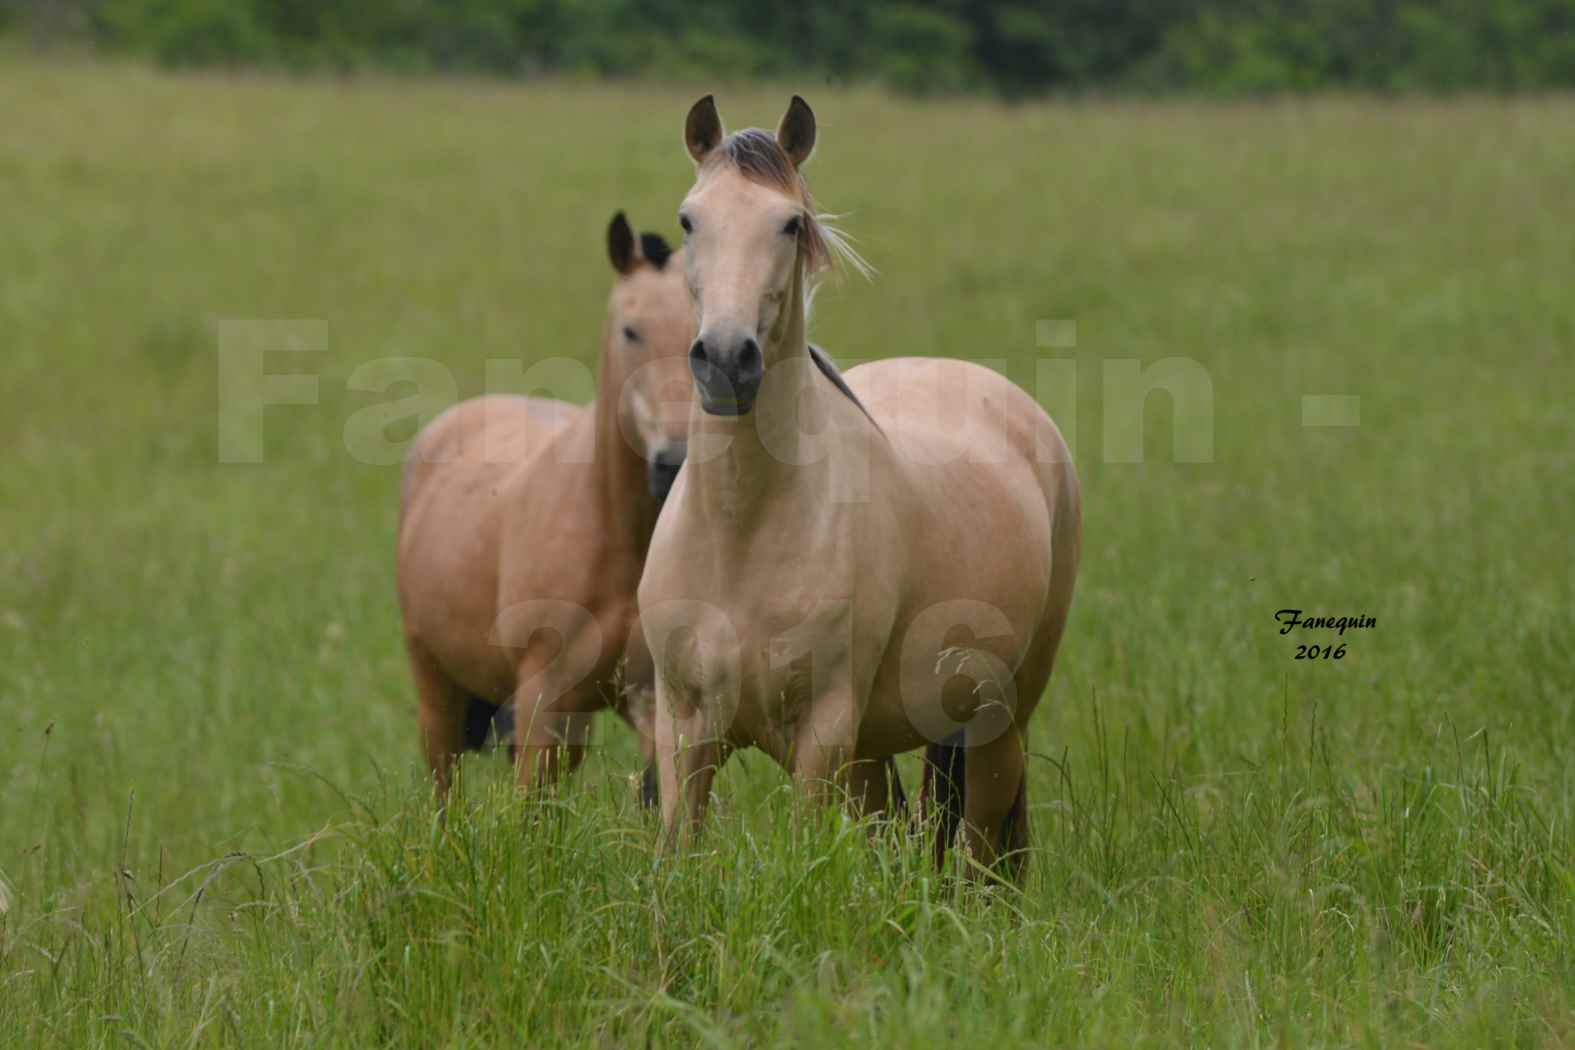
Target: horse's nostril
x=697, y=354
x=749, y=357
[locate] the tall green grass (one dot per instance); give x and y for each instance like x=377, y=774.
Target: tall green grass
x=213, y=825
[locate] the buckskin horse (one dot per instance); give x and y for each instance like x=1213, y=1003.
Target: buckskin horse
x=523, y=530
x=847, y=568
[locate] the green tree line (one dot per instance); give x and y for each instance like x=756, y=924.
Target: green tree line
x=1012, y=48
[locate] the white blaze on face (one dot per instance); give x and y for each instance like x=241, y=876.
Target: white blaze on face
x=644, y=421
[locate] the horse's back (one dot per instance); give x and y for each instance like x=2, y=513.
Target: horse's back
x=949, y=419
x=482, y=436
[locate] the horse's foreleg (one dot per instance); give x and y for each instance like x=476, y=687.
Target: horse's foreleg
x=558, y=692
x=995, y=803
x=554, y=736
x=823, y=749
x=441, y=709
x=689, y=751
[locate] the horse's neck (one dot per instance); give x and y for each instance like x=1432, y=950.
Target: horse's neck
x=739, y=462
x=618, y=471
x=738, y=466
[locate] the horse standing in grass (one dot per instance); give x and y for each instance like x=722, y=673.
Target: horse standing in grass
x=523, y=529
x=846, y=569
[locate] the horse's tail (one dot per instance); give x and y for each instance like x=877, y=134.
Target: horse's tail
x=944, y=792
x=945, y=773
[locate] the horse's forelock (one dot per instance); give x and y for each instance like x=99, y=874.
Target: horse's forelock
x=758, y=157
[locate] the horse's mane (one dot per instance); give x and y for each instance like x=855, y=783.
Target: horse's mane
x=829, y=369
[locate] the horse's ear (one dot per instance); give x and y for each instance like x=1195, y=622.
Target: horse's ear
x=655, y=249
x=796, y=133
x=702, y=128
x=621, y=246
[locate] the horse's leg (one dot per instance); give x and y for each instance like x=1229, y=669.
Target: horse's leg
x=689, y=751
x=554, y=736
x=441, y=712
x=875, y=789
x=637, y=707
x=823, y=749
x=995, y=801
x=560, y=688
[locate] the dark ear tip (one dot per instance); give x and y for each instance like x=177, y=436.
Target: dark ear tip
x=620, y=242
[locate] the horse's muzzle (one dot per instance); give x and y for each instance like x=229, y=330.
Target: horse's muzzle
x=727, y=380
x=661, y=470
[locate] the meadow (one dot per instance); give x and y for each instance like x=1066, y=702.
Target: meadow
x=214, y=826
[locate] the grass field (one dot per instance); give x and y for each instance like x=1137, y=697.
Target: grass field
x=213, y=826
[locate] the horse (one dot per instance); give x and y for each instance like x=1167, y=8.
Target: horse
x=849, y=567
x=523, y=529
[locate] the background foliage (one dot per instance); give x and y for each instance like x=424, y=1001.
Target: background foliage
x=1209, y=46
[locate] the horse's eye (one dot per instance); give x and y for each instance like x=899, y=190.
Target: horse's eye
x=683, y=220
x=630, y=334
x=791, y=229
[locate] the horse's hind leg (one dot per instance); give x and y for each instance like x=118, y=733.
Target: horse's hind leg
x=995, y=802
x=484, y=722
x=442, y=711
x=875, y=789
x=1014, y=834
x=637, y=707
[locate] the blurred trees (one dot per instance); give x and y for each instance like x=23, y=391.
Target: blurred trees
x=1013, y=47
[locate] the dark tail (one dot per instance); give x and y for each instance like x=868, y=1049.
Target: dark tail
x=945, y=767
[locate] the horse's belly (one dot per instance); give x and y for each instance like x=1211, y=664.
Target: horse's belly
x=889, y=726
x=949, y=662
x=448, y=592
x=980, y=564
